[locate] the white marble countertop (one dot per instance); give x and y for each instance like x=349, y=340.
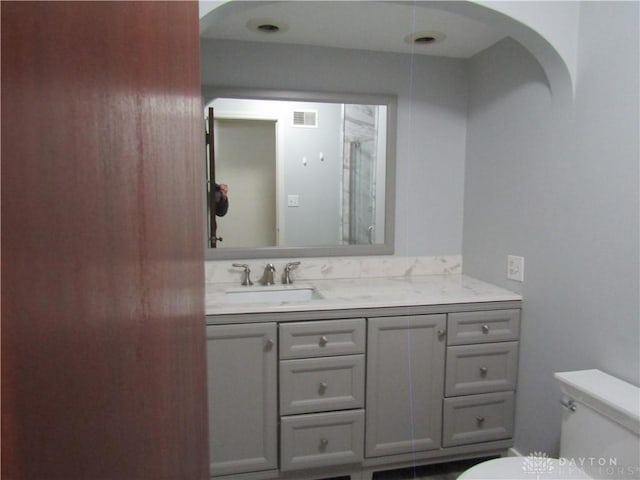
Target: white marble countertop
x=338, y=294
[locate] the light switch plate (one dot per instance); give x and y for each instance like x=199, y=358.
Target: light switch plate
x=515, y=268
x=293, y=201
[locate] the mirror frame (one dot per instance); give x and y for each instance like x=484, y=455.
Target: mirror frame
x=210, y=93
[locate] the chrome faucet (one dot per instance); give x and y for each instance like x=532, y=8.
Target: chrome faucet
x=267, y=277
x=246, y=279
x=286, y=275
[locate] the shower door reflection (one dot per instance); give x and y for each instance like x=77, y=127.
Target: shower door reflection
x=361, y=195
x=361, y=168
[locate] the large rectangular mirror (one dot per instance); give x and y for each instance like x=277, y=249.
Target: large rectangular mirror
x=308, y=174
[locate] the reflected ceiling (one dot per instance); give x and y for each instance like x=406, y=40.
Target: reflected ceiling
x=379, y=26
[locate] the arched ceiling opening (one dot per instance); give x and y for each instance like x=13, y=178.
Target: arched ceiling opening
x=458, y=29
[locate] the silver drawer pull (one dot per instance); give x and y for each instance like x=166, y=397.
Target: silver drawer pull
x=324, y=443
x=480, y=420
x=485, y=329
x=323, y=387
x=483, y=371
x=323, y=341
x=570, y=404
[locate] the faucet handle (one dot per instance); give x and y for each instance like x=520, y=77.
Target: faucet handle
x=286, y=277
x=246, y=279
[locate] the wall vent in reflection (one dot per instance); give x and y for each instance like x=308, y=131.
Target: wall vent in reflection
x=305, y=118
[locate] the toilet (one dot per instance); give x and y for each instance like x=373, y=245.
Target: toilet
x=600, y=436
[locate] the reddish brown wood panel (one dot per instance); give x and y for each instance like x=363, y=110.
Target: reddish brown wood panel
x=103, y=336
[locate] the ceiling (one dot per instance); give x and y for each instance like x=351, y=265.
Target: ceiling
x=363, y=25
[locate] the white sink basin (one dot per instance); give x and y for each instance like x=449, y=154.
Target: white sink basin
x=271, y=294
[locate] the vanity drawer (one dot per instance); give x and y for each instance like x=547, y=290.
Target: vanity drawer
x=483, y=327
x=322, y=338
x=477, y=418
x=488, y=367
x=322, y=439
x=321, y=384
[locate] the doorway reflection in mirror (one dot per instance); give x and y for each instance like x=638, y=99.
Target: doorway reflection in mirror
x=309, y=173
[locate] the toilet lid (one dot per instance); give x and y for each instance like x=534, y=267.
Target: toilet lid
x=523, y=468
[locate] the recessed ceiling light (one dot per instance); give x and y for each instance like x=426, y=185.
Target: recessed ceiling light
x=267, y=25
x=424, y=38
x=427, y=39
x=268, y=28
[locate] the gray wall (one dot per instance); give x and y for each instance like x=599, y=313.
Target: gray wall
x=432, y=102
x=557, y=182
x=316, y=221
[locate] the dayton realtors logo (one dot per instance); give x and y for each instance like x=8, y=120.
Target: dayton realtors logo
x=539, y=466
x=600, y=467
x=537, y=463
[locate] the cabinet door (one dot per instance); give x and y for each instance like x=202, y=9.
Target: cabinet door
x=482, y=368
x=483, y=327
x=309, y=385
x=242, y=385
x=477, y=418
x=322, y=439
x=405, y=378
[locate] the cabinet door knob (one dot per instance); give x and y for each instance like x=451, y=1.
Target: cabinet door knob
x=323, y=341
x=323, y=443
x=485, y=329
x=480, y=420
x=269, y=344
x=323, y=387
x=441, y=334
x=483, y=371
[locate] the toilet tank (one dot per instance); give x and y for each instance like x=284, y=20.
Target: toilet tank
x=600, y=424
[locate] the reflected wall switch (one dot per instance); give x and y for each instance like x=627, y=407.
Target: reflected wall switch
x=515, y=268
x=293, y=200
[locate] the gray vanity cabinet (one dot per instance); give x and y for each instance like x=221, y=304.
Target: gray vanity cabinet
x=308, y=396
x=242, y=364
x=405, y=378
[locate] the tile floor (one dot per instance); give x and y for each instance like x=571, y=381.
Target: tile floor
x=441, y=471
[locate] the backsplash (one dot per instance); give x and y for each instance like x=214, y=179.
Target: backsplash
x=337, y=267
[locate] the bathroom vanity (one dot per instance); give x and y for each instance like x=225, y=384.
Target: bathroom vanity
x=366, y=375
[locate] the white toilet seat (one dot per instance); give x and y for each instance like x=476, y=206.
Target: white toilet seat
x=523, y=468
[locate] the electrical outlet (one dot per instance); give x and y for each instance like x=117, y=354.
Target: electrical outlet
x=515, y=268
x=293, y=201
